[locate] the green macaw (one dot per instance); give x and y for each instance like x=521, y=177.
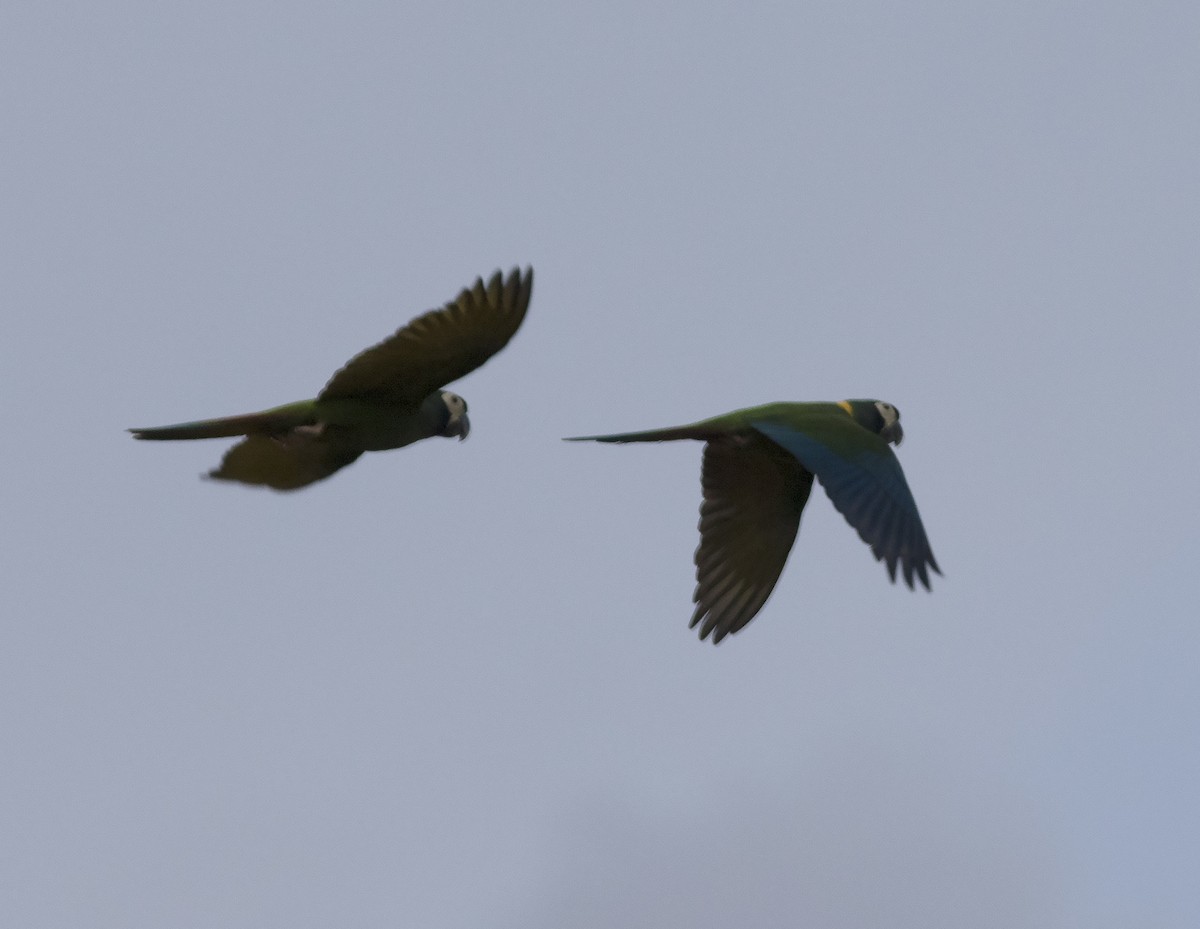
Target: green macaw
x=386, y=397
x=758, y=470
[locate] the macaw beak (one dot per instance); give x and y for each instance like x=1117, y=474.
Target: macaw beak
x=460, y=427
x=893, y=433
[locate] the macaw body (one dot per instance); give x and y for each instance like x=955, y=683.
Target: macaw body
x=386, y=397
x=757, y=474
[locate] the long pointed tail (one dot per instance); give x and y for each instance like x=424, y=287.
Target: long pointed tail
x=653, y=435
x=268, y=422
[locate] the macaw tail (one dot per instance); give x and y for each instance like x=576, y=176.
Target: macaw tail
x=652, y=435
x=268, y=422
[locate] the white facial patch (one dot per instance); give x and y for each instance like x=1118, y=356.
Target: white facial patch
x=456, y=422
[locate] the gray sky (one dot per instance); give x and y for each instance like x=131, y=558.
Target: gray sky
x=454, y=685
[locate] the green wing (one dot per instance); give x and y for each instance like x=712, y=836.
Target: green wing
x=438, y=347
x=864, y=482
x=754, y=492
x=285, y=463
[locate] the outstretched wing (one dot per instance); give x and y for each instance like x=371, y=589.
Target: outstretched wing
x=438, y=347
x=754, y=493
x=867, y=486
x=286, y=463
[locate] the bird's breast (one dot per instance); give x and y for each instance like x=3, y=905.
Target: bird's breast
x=374, y=427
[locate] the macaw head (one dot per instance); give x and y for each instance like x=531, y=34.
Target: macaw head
x=457, y=423
x=879, y=417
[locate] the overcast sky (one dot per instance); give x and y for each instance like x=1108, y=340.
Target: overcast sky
x=453, y=686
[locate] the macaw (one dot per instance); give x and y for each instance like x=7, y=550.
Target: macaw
x=388, y=396
x=757, y=472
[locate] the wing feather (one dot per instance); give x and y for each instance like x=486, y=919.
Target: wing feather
x=437, y=347
x=866, y=486
x=286, y=463
x=754, y=493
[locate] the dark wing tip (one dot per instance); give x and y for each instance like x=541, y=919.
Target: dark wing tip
x=929, y=562
x=505, y=300
x=523, y=285
x=511, y=294
x=726, y=605
x=507, y=297
x=917, y=568
x=711, y=626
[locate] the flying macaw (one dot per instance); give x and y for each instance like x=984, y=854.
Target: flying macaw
x=388, y=396
x=758, y=469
